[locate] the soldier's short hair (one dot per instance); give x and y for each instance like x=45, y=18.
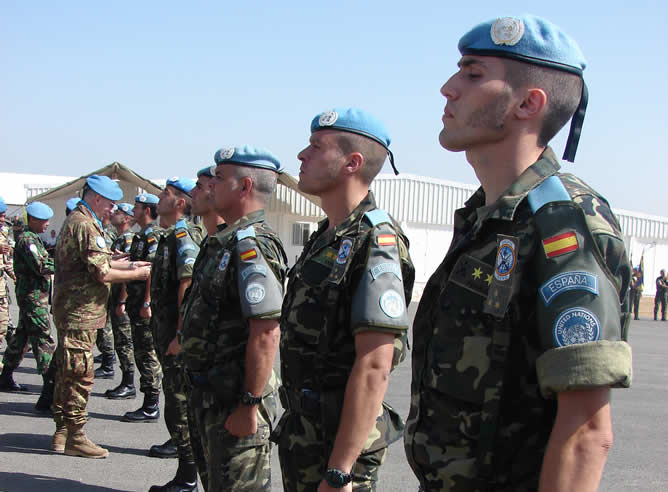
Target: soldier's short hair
x=264, y=180
x=374, y=153
x=563, y=90
x=187, y=210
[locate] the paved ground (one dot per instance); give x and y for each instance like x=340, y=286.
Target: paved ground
x=637, y=461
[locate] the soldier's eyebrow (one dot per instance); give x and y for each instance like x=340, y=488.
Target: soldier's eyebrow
x=469, y=60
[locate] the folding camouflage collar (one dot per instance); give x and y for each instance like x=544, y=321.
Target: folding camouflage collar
x=242, y=223
x=505, y=207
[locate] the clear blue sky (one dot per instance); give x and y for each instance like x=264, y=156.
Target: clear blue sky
x=159, y=86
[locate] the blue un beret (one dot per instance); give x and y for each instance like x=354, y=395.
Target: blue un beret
x=247, y=156
x=182, y=184
x=72, y=203
x=533, y=40
x=3, y=206
x=39, y=211
x=127, y=208
x=105, y=186
x=527, y=38
x=209, y=172
x=357, y=121
x=147, y=199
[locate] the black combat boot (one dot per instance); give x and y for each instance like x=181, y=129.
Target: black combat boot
x=7, y=382
x=125, y=390
x=46, y=396
x=106, y=370
x=98, y=358
x=184, y=481
x=167, y=450
x=149, y=411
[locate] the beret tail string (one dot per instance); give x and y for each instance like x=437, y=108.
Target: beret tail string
x=576, y=126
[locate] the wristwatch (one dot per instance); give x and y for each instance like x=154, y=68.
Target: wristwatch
x=337, y=479
x=147, y=304
x=248, y=399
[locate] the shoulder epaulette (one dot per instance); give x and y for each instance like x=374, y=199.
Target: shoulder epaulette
x=378, y=216
x=181, y=224
x=148, y=231
x=550, y=190
x=244, y=233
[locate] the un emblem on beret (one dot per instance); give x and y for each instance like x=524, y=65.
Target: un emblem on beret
x=212, y=170
x=174, y=178
x=328, y=118
x=226, y=153
x=507, y=30
x=142, y=198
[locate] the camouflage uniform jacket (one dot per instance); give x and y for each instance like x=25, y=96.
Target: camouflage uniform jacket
x=143, y=248
x=5, y=261
x=526, y=304
x=82, y=256
x=355, y=278
x=173, y=262
x=238, y=276
x=34, y=268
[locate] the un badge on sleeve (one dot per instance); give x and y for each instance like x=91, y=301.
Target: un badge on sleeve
x=576, y=325
x=392, y=303
x=99, y=240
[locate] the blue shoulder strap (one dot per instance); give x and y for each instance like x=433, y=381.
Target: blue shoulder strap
x=244, y=233
x=181, y=224
x=550, y=190
x=148, y=231
x=378, y=216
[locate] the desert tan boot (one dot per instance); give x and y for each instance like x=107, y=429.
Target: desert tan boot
x=78, y=444
x=59, y=439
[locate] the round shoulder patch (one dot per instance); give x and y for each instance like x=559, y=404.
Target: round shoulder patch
x=576, y=325
x=254, y=293
x=328, y=118
x=33, y=249
x=507, y=30
x=505, y=260
x=101, y=243
x=226, y=153
x=392, y=303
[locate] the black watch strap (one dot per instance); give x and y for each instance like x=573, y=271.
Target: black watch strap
x=337, y=479
x=247, y=398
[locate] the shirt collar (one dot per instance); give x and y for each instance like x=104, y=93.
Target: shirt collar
x=99, y=222
x=241, y=223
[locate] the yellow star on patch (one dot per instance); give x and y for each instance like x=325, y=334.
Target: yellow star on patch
x=488, y=279
x=330, y=254
x=476, y=273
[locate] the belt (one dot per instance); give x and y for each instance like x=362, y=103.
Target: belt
x=304, y=401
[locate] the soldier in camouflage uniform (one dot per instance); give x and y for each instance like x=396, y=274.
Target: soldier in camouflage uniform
x=230, y=327
x=34, y=268
x=521, y=331
x=120, y=322
x=344, y=321
x=171, y=276
x=6, y=270
x=105, y=336
x=84, y=269
x=138, y=307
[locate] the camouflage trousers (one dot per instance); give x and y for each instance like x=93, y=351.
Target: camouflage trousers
x=176, y=405
x=227, y=463
x=4, y=317
x=105, y=337
x=304, y=461
x=34, y=328
x=146, y=358
x=75, y=374
x=122, y=331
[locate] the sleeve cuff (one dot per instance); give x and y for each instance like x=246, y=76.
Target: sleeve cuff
x=583, y=366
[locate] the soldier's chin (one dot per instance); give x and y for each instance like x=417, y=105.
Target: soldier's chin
x=448, y=143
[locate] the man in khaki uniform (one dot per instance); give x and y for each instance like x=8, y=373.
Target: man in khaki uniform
x=84, y=269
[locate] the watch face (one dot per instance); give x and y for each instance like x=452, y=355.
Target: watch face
x=336, y=478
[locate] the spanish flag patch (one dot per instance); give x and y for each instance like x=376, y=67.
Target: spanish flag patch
x=560, y=244
x=387, y=240
x=181, y=234
x=151, y=239
x=248, y=255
